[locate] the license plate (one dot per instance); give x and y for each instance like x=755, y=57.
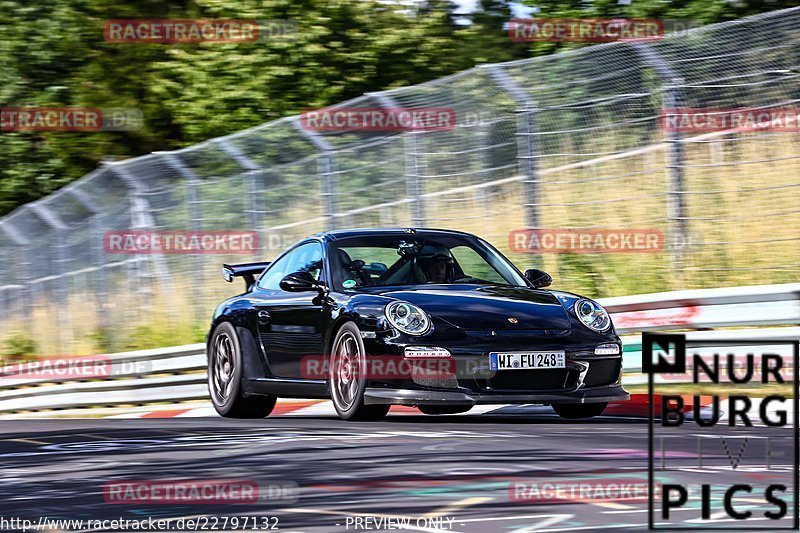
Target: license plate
x=526, y=360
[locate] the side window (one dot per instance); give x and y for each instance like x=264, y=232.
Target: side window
x=305, y=258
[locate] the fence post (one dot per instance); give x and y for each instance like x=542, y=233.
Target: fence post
x=98, y=253
x=414, y=184
x=57, y=243
x=7, y=256
x=191, y=183
x=414, y=165
x=485, y=133
x=253, y=173
x=142, y=218
x=326, y=169
x=673, y=98
x=193, y=202
x=195, y=222
x=96, y=240
x=22, y=269
x=526, y=146
x=60, y=238
x=23, y=278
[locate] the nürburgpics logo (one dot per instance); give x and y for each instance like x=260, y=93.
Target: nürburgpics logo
x=725, y=460
x=583, y=30
x=664, y=353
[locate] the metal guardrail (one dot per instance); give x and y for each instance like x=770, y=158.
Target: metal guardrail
x=556, y=139
x=632, y=346
x=176, y=374
x=162, y=375
x=759, y=305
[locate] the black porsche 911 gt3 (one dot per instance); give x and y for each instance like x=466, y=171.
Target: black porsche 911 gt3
x=429, y=318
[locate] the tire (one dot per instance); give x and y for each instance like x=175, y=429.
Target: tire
x=443, y=409
x=575, y=411
x=347, y=378
x=225, y=378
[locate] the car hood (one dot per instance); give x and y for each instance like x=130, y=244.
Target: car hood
x=488, y=308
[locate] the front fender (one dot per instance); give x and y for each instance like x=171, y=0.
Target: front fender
x=365, y=310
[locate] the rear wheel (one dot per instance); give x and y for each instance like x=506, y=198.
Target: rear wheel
x=347, y=376
x=574, y=411
x=225, y=378
x=443, y=409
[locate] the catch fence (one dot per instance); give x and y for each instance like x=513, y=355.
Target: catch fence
x=571, y=140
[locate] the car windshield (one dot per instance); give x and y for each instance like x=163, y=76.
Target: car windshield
x=382, y=260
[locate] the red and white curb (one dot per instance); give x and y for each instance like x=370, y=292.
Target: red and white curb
x=324, y=408
x=306, y=408
x=637, y=407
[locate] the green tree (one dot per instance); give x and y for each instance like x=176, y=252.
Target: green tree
x=53, y=54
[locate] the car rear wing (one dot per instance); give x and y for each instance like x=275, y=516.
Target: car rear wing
x=248, y=271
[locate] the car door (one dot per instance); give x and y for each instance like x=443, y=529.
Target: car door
x=290, y=324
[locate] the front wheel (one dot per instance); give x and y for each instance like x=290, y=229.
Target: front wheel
x=225, y=365
x=347, y=376
x=575, y=411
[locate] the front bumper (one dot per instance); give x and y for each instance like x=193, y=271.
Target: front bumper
x=430, y=397
x=586, y=377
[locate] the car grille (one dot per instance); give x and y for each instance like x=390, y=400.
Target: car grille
x=541, y=379
x=426, y=377
x=441, y=382
x=602, y=372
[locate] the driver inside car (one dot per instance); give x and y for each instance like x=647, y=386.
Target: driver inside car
x=434, y=264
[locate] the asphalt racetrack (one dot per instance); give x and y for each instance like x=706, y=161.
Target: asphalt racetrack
x=415, y=472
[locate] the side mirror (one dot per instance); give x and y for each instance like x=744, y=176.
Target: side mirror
x=300, y=282
x=538, y=278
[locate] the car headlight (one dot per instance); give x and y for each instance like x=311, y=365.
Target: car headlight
x=592, y=315
x=408, y=318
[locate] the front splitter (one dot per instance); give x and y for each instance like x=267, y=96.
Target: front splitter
x=428, y=397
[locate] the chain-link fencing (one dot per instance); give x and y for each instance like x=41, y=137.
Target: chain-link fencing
x=572, y=140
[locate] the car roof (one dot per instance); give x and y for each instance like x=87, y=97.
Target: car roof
x=363, y=232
